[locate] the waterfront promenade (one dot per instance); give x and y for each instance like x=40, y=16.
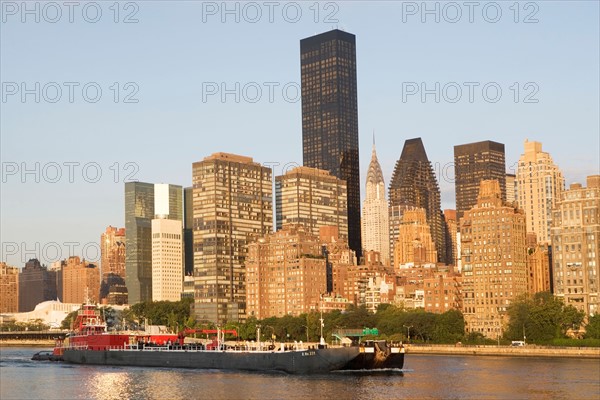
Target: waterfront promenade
x=30, y=338
x=45, y=340
x=525, y=351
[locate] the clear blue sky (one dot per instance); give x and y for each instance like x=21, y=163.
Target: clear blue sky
x=177, y=48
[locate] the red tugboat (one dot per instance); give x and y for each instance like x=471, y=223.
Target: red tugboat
x=91, y=343
x=89, y=332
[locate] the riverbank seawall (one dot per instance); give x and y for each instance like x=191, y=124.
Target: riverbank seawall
x=508, y=351
x=27, y=343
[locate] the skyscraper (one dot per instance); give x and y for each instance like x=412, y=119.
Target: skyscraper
x=167, y=259
x=233, y=206
x=539, y=185
x=414, y=184
x=451, y=237
x=112, y=266
x=375, y=217
x=494, y=266
x=474, y=162
x=167, y=246
x=330, y=115
x=112, y=252
x=313, y=198
x=576, y=246
x=139, y=213
x=188, y=231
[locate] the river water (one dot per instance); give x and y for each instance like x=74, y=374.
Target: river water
x=424, y=377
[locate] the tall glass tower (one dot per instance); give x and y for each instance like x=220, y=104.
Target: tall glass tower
x=139, y=213
x=330, y=115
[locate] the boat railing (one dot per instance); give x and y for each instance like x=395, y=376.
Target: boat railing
x=156, y=348
x=241, y=348
x=76, y=347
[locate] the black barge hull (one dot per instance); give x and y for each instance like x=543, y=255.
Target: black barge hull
x=293, y=362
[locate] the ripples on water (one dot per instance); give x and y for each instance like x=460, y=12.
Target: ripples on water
x=457, y=377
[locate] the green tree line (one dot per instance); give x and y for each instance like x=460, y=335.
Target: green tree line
x=543, y=317
x=393, y=323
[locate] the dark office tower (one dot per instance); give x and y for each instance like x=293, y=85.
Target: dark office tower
x=188, y=232
x=139, y=212
x=36, y=285
x=330, y=115
x=473, y=163
x=414, y=184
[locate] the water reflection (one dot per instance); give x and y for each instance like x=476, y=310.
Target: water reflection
x=456, y=377
x=110, y=385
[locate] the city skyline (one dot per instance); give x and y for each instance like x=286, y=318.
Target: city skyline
x=175, y=107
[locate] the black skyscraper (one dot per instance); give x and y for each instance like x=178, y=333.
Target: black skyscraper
x=330, y=115
x=473, y=163
x=414, y=184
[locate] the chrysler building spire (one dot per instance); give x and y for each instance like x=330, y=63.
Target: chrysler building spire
x=375, y=219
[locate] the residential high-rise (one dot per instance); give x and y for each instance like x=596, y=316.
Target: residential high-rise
x=313, y=198
x=494, y=266
x=233, y=206
x=395, y=220
x=415, y=244
x=474, y=162
x=511, y=188
x=339, y=258
x=285, y=273
x=443, y=292
x=375, y=217
x=538, y=265
x=414, y=184
x=36, y=284
x=539, y=185
x=9, y=288
x=139, y=213
x=576, y=246
x=451, y=237
x=81, y=281
x=330, y=115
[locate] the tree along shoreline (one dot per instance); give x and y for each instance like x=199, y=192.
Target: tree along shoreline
x=539, y=319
